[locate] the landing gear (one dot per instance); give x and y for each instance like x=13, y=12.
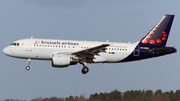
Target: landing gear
x=85, y=70
x=28, y=67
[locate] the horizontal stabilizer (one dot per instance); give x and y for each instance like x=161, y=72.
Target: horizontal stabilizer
x=164, y=49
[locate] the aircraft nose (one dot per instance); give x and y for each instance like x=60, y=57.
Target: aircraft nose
x=6, y=51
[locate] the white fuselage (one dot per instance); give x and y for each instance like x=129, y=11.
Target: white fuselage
x=43, y=49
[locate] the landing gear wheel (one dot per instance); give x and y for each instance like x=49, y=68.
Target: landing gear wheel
x=85, y=70
x=27, y=68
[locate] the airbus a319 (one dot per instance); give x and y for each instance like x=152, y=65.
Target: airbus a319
x=63, y=53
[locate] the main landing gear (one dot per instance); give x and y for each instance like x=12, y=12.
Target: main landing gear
x=28, y=67
x=85, y=69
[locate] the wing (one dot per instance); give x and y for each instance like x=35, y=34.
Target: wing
x=89, y=53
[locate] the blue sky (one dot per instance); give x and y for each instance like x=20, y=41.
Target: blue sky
x=93, y=20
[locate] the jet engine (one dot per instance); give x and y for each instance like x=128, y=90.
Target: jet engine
x=59, y=60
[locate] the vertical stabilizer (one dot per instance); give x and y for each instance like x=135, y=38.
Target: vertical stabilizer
x=158, y=35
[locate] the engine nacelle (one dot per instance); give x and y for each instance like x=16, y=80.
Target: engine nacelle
x=59, y=60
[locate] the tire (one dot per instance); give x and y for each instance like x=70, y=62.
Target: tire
x=27, y=68
x=85, y=70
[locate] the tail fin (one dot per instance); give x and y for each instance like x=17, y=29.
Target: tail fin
x=158, y=35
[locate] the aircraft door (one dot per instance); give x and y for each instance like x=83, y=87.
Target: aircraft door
x=28, y=45
x=136, y=51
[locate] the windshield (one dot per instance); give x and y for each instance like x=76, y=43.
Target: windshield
x=15, y=44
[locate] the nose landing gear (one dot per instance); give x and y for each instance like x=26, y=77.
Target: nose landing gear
x=28, y=67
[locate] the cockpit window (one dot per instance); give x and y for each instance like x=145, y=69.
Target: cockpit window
x=15, y=44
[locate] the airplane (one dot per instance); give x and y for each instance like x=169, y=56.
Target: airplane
x=63, y=53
